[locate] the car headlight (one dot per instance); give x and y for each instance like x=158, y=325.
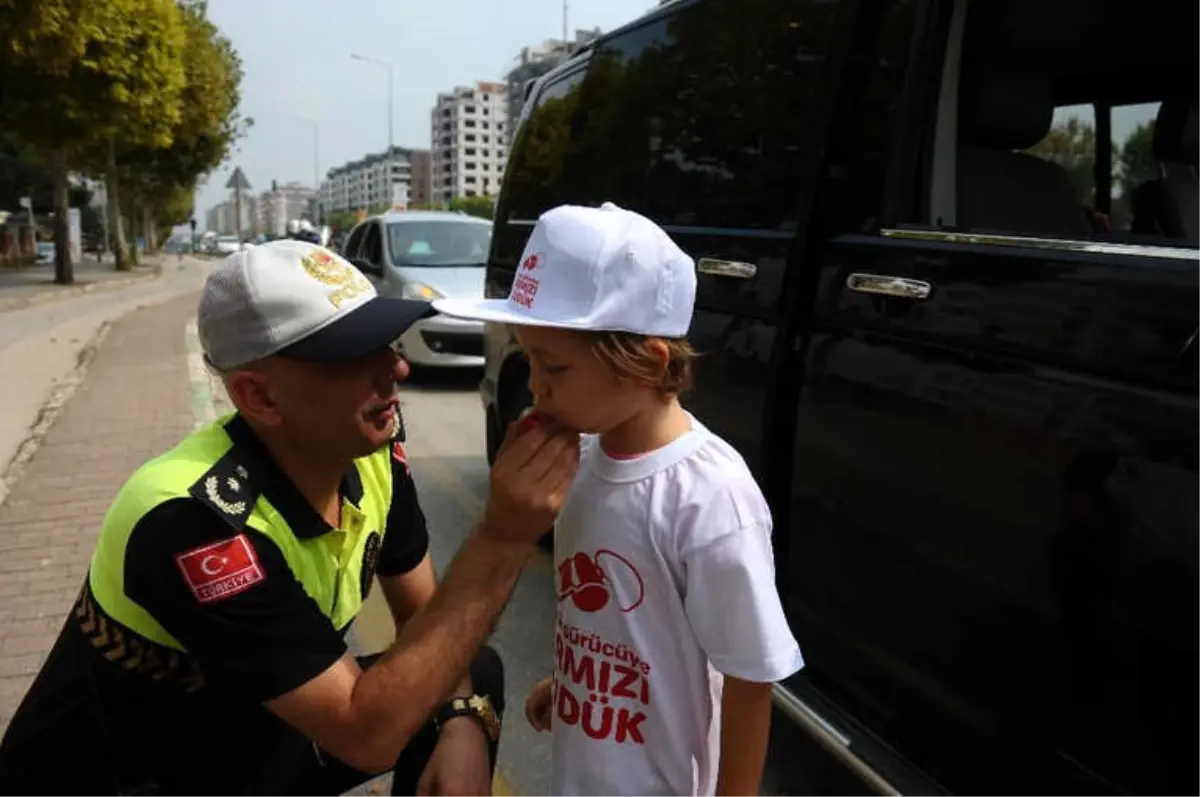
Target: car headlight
x=419, y=290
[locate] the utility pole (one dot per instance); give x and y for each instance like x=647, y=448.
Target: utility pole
x=391, y=116
x=565, y=40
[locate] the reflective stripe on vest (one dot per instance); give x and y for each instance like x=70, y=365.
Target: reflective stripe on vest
x=329, y=567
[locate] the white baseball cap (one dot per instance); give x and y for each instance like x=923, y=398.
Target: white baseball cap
x=602, y=269
x=296, y=299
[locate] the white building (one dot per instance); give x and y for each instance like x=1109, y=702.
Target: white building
x=469, y=131
x=363, y=185
x=283, y=202
x=532, y=63
x=220, y=217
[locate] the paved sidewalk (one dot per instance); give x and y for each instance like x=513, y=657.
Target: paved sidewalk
x=133, y=405
x=34, y=285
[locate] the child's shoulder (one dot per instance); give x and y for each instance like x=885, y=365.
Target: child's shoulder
x=716, y=486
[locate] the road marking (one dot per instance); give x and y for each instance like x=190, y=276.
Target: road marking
x=199, y=387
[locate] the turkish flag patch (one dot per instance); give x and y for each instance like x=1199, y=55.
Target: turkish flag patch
x=221, y=570
x=400, y=455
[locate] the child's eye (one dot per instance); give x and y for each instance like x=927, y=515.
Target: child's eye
x=555, y=370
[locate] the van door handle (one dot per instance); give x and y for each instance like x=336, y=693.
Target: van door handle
x=885, y=285
x=726, y=268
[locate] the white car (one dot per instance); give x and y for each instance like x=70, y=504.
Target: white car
x=427, y=255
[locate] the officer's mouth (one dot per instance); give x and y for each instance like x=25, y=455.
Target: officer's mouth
x=385, y=415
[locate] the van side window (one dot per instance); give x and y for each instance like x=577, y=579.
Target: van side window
x=700, y=118
x=697, y=118
x=1052, y=136
x=535, y=171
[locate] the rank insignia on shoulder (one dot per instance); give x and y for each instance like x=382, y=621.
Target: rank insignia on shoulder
x=228, y=490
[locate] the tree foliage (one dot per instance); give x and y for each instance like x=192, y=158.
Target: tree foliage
x=208, y=127
x=80, y=74
x=144, y=93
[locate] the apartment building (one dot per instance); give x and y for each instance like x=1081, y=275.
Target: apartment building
x=283, y=202
x=532, y=63
x=220, y=218
x=363, y=184
x=469, y=131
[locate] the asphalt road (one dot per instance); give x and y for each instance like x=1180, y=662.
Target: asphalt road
x=444, y=422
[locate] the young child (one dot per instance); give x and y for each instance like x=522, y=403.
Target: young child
x=669, y=630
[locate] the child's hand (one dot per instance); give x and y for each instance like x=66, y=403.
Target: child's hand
x=539, y=706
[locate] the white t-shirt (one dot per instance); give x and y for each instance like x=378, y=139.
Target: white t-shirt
x=665, y=580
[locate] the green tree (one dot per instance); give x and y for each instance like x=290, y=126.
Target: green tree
x=209, y=126
x=79, y=74
x=482, y=206
x=1072, y=145
x=1135, y=159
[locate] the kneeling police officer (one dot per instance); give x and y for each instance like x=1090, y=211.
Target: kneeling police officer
x=205, y=652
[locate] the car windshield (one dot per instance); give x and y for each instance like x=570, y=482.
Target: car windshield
x=439, y=243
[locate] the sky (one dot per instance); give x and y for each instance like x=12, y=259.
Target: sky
x=296, y=59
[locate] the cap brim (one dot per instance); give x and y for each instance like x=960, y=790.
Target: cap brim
x=363, y=331
x=496, y=311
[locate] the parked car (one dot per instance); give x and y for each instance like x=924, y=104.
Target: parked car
x=966, y=385
x=427, y=255
x=45, y=252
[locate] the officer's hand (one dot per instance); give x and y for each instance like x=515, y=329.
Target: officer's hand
x=459, y=763
x=530, y=480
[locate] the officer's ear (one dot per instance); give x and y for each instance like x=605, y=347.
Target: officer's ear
x=250, y=390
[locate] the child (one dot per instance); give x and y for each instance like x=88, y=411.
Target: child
x=669, y=630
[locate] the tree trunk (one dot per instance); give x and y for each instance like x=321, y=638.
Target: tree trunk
x=64, y=267
x=148, y=228
x=117, y=229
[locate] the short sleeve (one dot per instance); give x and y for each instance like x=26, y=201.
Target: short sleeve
x=406, y=540
x=230, y=598
x=733, y=606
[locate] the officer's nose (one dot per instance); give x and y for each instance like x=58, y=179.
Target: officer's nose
x=400, y=369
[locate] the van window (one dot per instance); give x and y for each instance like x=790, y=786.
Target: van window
x=697, y=118
x=535, y=173
x=1047, y=132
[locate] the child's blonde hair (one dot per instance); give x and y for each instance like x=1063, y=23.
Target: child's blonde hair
x=630, y=356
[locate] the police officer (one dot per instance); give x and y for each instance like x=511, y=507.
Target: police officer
x=205, y=652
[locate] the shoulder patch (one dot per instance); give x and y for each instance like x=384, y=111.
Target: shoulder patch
x=399, y=433
x=228, y=489
x=400, y=455
x=222, y=569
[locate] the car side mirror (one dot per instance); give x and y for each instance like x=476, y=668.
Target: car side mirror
x=367, y=267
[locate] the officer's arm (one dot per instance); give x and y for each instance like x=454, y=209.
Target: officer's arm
x=228, y=595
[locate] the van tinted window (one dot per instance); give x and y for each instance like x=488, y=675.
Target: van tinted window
x=698, y=118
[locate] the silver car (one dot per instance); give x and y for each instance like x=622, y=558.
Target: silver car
x=427, y=255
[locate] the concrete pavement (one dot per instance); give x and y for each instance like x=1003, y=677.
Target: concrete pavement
x=45, y=349
x=30, y=286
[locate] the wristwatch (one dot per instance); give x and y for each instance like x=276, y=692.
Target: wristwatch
x=477, y=707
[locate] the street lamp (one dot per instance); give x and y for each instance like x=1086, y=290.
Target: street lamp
x=387, y=66
x=316, y=167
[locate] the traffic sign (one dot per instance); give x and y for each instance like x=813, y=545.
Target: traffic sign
x=237, y=181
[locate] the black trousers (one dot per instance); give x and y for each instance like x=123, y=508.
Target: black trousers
x=322, y=774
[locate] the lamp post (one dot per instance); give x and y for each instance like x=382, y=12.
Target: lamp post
x=391, y=93
x=316, y=167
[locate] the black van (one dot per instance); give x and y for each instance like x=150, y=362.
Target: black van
x=948, y=308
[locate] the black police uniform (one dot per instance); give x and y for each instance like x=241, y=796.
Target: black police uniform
x=211, y=591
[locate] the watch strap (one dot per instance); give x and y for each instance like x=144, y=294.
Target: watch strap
x=478, y=707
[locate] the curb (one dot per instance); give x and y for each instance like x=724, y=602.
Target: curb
x=67, y=291
x=60, y=394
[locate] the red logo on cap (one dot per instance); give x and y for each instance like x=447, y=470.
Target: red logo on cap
x=531, y=263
